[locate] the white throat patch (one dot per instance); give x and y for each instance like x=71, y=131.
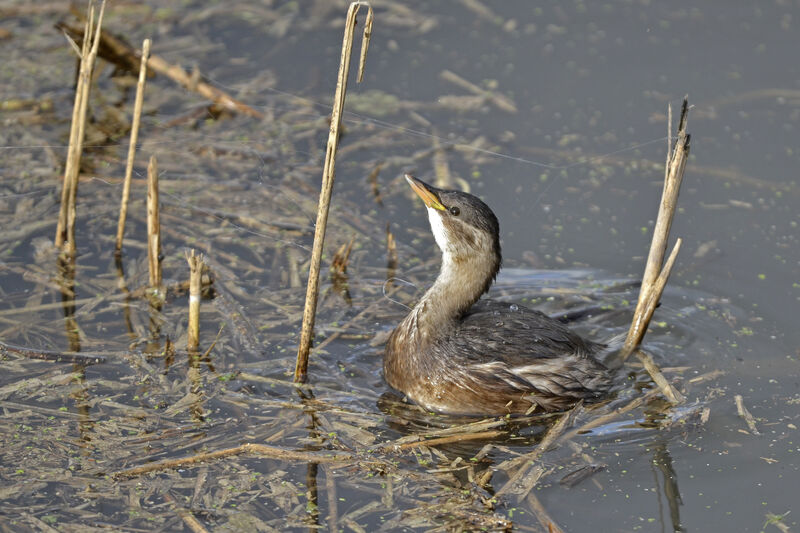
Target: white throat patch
x=438, y=229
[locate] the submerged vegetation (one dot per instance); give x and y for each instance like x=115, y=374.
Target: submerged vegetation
x=135, y=421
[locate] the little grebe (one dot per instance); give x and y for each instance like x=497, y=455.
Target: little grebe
x=454, y=354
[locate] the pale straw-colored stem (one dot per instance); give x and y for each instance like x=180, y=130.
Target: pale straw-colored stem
x=65, y=232
x=153, y=225
x=328, y=173
x=137, y=115
x=73, y=132
x=648, y=295
x=196, y=268
x=666, y=388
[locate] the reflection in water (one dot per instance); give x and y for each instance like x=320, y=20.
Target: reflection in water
x=156, y=320
x=312, y=507
x=339, y=277
x=126, y=305
x=470, y=441
x=314, y=435
x=663, y=463
x=66, y=282
x=169, y=355
x=80, y=393
x=196, y=388
x=391, y=253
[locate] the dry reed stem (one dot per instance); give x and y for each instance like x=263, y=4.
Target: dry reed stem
x=500, y=101
x=153, y=225
x=523, y=461
x=473, y=428
x=365, y=43
x=188, y=518
x=480, y=435
x=328, y=174
x=541, y=515
x=672, y=181
x=776, y=520
x=441, y=166
x=73, y=133
x=708, y=376
x=139, y=293
x=137, y=115
x=654, y=294
x=87, y=68
x=65, y=230
x=200, y=480
x=391, y=252
x=271, y=452
x=115, y=48
x=652, y=297
x=333, y=501
x=177, y=74
x=196, y=269
x=649, y=295
x=56, y=357
x=745, y=414
x=342, y=257
x=658, y=378
x=616, y=413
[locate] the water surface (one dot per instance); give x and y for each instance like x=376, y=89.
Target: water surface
x=573, y=174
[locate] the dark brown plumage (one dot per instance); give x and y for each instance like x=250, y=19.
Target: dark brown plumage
x=455, y=354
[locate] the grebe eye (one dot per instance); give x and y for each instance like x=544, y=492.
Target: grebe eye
x=455, y=211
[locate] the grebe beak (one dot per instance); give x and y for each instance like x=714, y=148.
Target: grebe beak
x=424, y=192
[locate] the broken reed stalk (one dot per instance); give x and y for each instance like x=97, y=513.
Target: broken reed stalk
x=65, y=230
x=137, y=115
x=654, y=275
x=658, y=378
x=647, y=361
x=177, y=74
x=608, y=417
x=544, y=518
x=196, y=268
x=256, y=449
x=328, y=173
x=56, y=357
x=525, y=462
x=745, y=414
x=119, y=52
x=153, y=225
x=186, y=515
x=439, y=441
x=73, y=132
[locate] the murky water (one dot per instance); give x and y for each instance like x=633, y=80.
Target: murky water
x=574, y=175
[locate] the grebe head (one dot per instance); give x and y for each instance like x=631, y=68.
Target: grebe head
x=464, y=227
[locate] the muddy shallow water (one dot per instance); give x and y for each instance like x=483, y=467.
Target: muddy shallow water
x=555, y=115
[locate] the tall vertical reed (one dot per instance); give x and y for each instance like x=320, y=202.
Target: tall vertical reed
x=153, y=225
x=137, y=115
x=65, y=231
x=196, y=268
x=312, y=289
x=655, y=277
